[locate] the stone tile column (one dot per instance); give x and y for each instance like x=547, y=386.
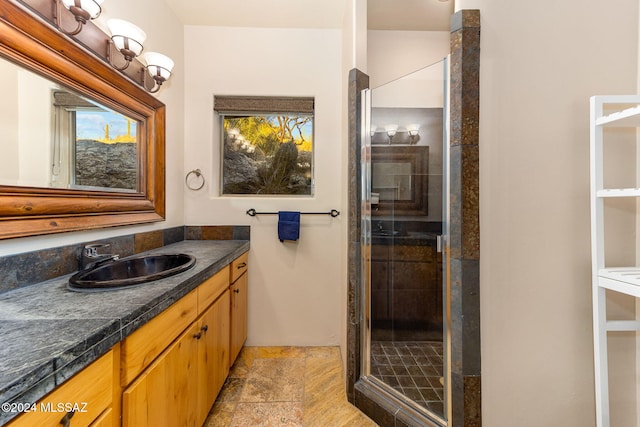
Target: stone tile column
x=464, y=236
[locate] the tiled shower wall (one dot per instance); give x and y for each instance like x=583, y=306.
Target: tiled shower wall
x=33, y=267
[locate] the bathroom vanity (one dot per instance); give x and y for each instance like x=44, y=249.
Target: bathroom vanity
x=406, y=291
x=150, y=355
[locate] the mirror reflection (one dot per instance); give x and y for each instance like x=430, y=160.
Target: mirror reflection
x=53, y=137
x=391, y=180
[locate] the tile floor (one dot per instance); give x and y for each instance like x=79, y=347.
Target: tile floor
x=414, y=368
x=286, y=386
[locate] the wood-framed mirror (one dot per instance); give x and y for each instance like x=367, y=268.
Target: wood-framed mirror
x=400, y=180
x=28, y=209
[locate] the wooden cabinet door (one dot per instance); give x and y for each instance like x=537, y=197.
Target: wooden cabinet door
x=146, y=343
x=164, y=395
x=239, y=292
x=213, y=353
x=105, y=420
x=89, y=393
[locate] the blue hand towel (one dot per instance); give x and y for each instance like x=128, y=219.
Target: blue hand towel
x=288, y=225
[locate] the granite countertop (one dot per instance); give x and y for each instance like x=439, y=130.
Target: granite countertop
x=49, y=333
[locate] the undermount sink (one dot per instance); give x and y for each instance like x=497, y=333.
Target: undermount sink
x=131, y=271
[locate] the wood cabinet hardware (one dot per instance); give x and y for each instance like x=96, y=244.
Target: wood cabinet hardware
x=66, y=420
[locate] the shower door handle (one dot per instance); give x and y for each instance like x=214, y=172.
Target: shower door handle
x=440, y=241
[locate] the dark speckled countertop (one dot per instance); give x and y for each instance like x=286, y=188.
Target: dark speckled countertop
x=49, y=333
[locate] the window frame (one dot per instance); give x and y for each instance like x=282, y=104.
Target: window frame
x=262, y=106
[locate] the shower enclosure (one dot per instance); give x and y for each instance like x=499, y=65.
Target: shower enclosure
x=404, y=221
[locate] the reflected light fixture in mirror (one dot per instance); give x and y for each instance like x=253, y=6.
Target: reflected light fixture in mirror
x=159, y=67
x=413, y=131
x=82, y=10
x=127, y=38
x=391, y=131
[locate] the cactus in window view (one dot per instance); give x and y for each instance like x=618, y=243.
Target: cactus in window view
x=276, y=178
x=267, y=154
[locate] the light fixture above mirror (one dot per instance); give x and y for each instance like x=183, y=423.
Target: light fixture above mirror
x=82, y=10
x=413, y=130
x=129, y=40
x=401, y=135
x=159, y=67
x=391, y=131
x=126, y=39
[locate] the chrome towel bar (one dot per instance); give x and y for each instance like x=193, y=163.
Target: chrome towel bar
x=333, y=213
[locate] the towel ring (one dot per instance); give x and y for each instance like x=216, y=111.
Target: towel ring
x=198, y=174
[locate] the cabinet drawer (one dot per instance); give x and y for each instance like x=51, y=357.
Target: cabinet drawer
x=90, y=392
x=239, y=266
x=212, y=288
x=105, y=420
x=380, y=252
x=141, y=347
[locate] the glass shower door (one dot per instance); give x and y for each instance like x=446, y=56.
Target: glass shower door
x=403, y=177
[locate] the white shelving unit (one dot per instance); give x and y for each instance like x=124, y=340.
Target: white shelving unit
x=608, y=111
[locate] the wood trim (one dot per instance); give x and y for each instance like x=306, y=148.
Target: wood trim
x=25, y=211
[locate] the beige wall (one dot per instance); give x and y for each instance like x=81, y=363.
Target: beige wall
x=393, y=54
x=540, y=62
x=295, y=288
x=164, y=34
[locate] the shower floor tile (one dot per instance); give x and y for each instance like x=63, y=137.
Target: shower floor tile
x=414, y=368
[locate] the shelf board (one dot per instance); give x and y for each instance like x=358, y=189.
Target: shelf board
x=623, y=325
x=622, y=279
x=625, y=118
x=619, y=192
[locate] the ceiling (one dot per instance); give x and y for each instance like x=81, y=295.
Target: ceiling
x=407, y=15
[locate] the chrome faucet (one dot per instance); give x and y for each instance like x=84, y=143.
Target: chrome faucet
x=90, y=258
